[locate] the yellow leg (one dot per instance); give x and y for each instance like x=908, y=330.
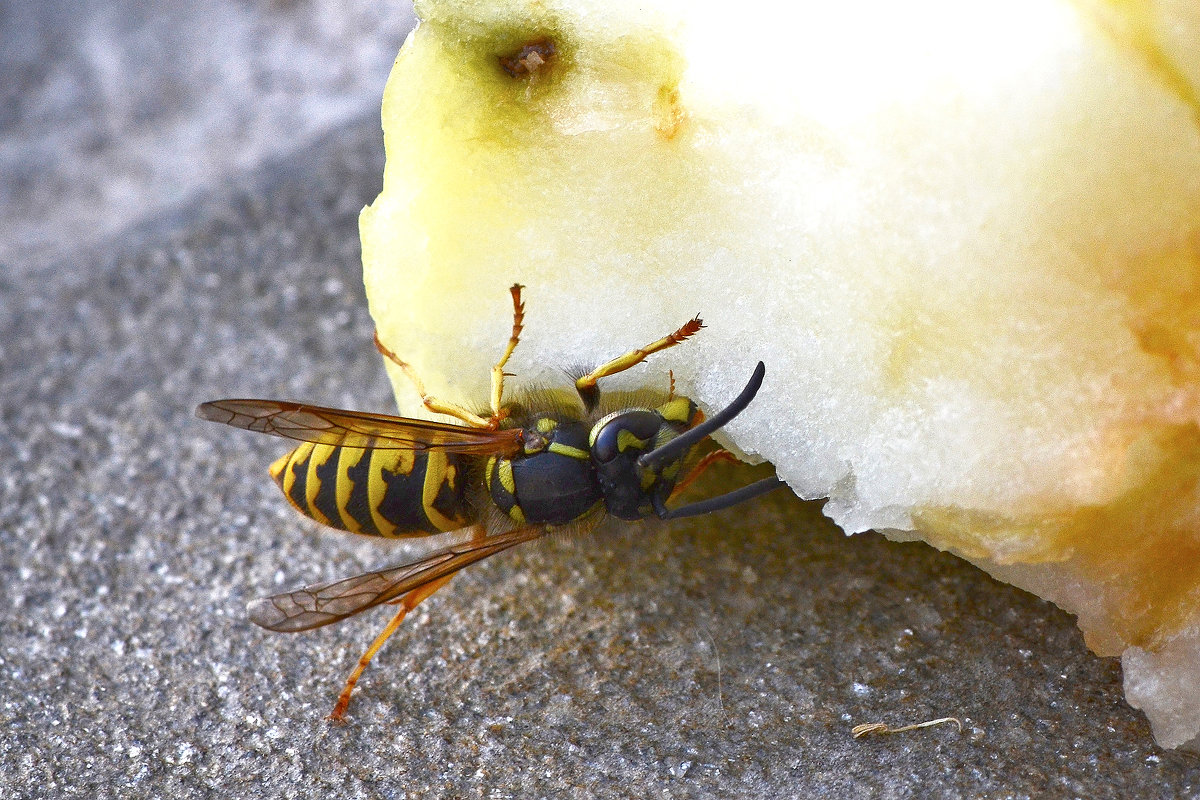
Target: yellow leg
x=407, y=603
x=457, y=411
x=432, y=403
x=498, y=371
x=586, y=385
x=696, y=471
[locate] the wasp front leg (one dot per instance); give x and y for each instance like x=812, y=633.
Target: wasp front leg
x=586, y=385
x=696, y=471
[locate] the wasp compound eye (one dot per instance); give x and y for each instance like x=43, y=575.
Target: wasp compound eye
x=624, y=431
x=617, y=441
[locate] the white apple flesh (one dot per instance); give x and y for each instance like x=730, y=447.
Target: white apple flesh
x=964, y=237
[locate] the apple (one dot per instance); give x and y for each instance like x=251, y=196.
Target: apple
x=964, y=237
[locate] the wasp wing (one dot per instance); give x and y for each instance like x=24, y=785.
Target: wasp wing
x=332, y=426
x=326, y=603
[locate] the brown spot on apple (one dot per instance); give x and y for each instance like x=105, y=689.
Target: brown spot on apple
x=531, y=60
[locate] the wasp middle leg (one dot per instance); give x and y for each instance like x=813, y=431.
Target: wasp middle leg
x=498, y=412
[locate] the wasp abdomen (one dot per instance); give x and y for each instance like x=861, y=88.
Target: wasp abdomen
x=380, y=492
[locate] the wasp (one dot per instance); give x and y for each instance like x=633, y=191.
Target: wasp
x=515, y=475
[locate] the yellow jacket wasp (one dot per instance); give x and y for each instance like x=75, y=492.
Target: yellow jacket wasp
x=512, y=477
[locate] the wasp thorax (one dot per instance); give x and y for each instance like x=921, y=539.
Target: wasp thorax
x=552, y=482
x=534, y=442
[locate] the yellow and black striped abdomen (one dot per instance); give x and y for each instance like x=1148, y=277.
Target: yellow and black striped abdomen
x=376, y=492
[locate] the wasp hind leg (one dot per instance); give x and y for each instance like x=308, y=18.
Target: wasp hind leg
x=407, y=603
x=451, y=409
x=586, y=385
x=430, y=402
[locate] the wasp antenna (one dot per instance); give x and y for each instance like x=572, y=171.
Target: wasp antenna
x=720, y=501
x=655, y=459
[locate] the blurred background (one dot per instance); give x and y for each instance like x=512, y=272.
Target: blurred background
x=112, y=112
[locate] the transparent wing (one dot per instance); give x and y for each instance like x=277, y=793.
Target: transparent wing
x=327, y=603
x=332, y=426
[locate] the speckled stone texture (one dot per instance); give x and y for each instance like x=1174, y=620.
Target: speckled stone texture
x=726, y=656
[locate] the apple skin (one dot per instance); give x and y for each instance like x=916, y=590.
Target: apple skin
x=965, y=238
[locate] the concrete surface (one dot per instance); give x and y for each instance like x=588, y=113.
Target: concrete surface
x=726, y=656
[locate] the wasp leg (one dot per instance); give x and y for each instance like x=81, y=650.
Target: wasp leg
x=432, y=403
x=407, y=603
x=498, y=371
x=695, y=472
x=457, y=411
x=586, y=385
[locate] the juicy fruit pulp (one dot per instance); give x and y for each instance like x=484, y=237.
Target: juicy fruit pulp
x=964, y=237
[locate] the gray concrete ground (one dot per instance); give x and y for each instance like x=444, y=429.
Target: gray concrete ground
x=726, y=656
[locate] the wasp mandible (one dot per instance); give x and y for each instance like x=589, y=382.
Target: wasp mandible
x=513, y=476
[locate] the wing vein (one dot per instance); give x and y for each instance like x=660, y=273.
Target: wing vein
x=326, y=603
x=341, y=428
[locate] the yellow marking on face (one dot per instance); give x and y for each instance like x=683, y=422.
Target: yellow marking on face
x=350, y=458
x=626, y=441
x=321, y=453
x=568, y=451
x=377, y=488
